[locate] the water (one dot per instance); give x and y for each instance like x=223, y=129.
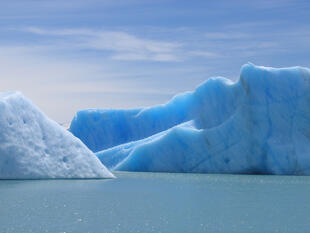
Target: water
x=149, y=202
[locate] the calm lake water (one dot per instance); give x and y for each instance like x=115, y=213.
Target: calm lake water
x=157, y=202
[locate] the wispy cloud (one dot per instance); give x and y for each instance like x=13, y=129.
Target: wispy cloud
x=202, y=53
x=124, y=46
x=161, y=57
x=226, y=35
x=270, y=4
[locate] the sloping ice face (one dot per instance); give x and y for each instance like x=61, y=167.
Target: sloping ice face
x=34, y=147
x=259, y=124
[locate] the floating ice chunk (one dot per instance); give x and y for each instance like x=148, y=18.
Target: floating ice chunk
x=260, y=124
x=35, y=147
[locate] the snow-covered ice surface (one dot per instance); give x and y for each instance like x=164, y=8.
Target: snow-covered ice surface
x=259, y=124
x=34, y=147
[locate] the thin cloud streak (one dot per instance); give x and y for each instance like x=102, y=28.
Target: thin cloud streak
x=225, y=35
x=202, y=53
x=124, y=45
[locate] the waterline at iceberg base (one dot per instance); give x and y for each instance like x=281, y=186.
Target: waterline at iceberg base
x=257, y=125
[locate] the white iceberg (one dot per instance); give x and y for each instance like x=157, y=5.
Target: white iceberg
x=258, y=125
x=34, y=147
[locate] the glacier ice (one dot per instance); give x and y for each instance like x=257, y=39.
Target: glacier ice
x=259, y=124
x=34, y=147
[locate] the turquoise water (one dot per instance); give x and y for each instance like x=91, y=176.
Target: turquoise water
x=157, y=202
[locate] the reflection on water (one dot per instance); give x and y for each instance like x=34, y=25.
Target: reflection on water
x=157, y=202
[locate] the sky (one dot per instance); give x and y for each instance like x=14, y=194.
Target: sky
x=68, y=55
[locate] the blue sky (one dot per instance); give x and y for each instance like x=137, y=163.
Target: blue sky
x=76, y=54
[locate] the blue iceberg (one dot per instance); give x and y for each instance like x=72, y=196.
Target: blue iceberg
x=257, y=125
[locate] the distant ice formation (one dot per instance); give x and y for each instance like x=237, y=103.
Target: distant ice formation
x=35, y=147
x=257, y=125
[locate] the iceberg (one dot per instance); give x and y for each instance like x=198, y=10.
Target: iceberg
x=34, y=147
x=259, y=124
